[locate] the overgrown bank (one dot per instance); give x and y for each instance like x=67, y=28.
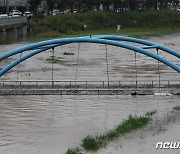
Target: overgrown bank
x=131, y=19
x=69, y=24
x=133, y=23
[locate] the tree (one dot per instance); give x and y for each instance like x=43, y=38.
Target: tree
x=132, y=4
x=34, y=4
x=71, y=3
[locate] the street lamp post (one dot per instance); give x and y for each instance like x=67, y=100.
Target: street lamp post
x=121, y=5
x=157, y=5
x=4, y=10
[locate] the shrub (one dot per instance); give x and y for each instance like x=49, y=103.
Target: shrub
x=100, y=20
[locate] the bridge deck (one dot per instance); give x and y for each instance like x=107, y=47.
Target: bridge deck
x=84, y=88
x=12, y=21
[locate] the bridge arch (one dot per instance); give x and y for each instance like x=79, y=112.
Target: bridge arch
x=109, y=40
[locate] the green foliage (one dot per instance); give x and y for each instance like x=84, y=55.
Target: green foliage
x=34, y=4
x=35, y=27
x=90, y=143
x=76, y=22
x=38, y=15
x=53, y=59
x=89, y=4
x=68, y=23
x=176, y=108
x=68, y=53
x=132, y=123
x=151, y=19
x=74, y=151
x=99, y=20
x=133, y=23
x=6, y=41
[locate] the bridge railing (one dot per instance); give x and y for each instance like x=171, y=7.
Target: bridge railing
x=12, y=21
x=88, y=84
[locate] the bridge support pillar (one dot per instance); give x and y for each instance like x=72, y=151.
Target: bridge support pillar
x=24, y=30
x=12, y=33
x=3, y=35
x=19, y=31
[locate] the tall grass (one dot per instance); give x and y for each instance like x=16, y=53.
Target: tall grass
x=133, y=23
x=100, y=20
x=74, y=151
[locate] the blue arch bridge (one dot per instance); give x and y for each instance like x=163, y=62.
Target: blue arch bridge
x=86, y=87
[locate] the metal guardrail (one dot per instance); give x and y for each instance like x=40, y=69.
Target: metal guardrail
x=12, y=21
x=87, y=88
x=87, y=83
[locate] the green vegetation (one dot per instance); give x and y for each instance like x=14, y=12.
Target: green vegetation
x=68, y=53
x=69, y=23
x=90, y=143
x=132, y=123
x=74, y=151
x=176, y=108
x=119, y=5
x=133, y=23
x=6, y=41
x=53, y=59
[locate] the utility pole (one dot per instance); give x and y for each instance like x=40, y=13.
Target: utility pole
x=4, y=10
x=157, y=5
x=7, y=7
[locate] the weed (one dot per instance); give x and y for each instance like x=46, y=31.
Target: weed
x=74, y=151
x=151, y=113
x=53, y=59
x=68, y=53
x=102, y=20
x=176, y=108
x=90, y=143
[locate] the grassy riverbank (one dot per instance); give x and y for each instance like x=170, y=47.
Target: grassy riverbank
x=133, y=23
x=68, y=23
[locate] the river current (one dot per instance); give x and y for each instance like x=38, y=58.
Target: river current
x=52, y=124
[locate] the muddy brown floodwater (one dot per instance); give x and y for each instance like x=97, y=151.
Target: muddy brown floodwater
x=52, y=124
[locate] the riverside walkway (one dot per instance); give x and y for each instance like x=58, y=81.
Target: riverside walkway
x=86, y=88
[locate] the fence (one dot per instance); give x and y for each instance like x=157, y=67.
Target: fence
x=12, y=21
x=87, y=87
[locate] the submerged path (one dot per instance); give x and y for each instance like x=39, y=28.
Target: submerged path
x=85, y=88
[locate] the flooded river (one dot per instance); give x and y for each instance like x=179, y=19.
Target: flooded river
x=52, y=124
